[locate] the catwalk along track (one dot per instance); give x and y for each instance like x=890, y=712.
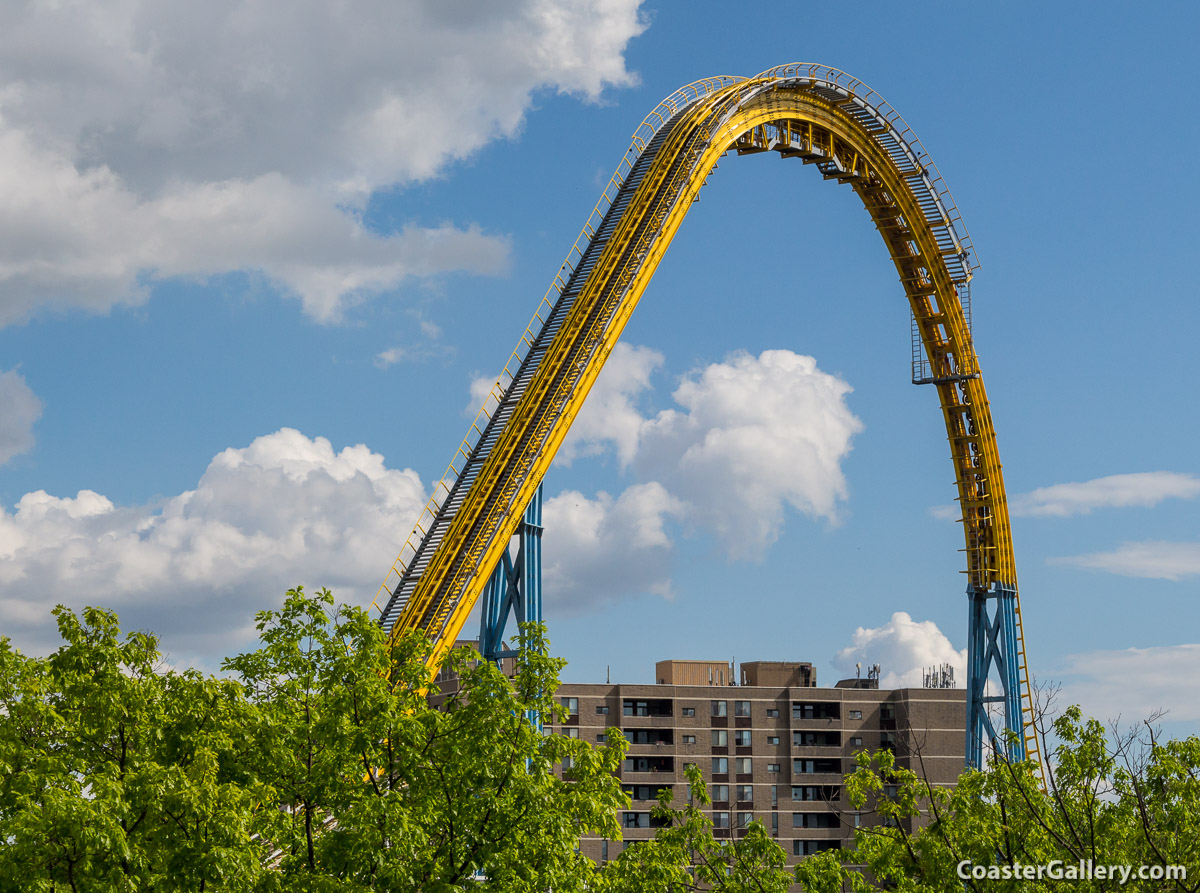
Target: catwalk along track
x=822, y=118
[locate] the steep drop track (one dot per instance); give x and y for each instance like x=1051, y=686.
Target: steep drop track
x=815, y=114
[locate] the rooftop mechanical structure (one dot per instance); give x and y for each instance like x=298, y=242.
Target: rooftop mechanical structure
x=819, y=117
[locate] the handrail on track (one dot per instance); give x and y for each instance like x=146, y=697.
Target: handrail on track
x=887, y=116
x=645, y=131
x=853, y=88
x=928, y=209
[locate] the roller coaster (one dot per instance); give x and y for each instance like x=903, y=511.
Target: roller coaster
x=460, y=546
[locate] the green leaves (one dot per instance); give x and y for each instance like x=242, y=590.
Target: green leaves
x=332, y=763
x=384, y=791
x=116, y=776
x=1114, y=799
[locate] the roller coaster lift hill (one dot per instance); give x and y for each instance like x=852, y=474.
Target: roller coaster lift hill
x=462, y=546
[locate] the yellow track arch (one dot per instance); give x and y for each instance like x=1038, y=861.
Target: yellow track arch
x=813, y=113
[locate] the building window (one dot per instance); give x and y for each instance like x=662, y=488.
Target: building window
x=772, y=713
x=571, y=705
x=808, y=767
x=643, y=791
x=648, y=764
x=743, y=765
x=657, y=707
x=856, y=741
x=741, y=708
x=856, y=714
x=571, y=732
x=688, y=711
x=809, y=847
x=744, y=819
x=689, y=739
x=814, y=820
x=720, y=738
x=887, y=711
x=774, y=824
x=772, y=767
x=774, y=795
x=719, y=708
x=772, y=739
x=720, y=820
x=720, y=793
x=601, y=737
x=604, y=850
x=637, y=820
x=817, y=792
x=817, y=710
x=602, y=710
x=745, y=793
x=741, y=738
x=720, y=765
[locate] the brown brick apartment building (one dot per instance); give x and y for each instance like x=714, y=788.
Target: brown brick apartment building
x=772, y=747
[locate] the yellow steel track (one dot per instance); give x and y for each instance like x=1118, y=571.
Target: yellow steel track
x=817, y=115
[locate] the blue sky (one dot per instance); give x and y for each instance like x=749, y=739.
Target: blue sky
x=252, y=265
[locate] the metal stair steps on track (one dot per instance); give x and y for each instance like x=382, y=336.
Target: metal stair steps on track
x=1033, y=749
x=434, y=531
x=515, y=390
x=444, y=511
x=587, y=336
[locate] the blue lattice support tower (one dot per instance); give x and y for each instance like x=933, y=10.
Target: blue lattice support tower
x=515, y=586
x=992, y=645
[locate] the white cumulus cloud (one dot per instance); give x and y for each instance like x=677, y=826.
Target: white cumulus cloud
x=598, y=551
x=19, y=410
x=903, y=648
x=610, y=415
x=1133, y=682
x=480, y=393
x=284, y=510
x=756, y=435
x=1150, y=559
x=140, y=141
x=1142, y=489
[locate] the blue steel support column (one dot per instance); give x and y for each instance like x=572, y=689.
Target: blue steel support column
x=515, y=585
x=531, y=547
x=992, y=643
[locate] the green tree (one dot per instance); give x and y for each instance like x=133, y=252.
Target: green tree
x=116, y=775
x=1112, y=800
x=326, y=766
x=381, y=791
